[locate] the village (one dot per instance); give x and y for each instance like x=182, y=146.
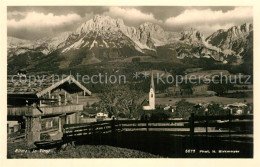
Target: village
x=39, y=114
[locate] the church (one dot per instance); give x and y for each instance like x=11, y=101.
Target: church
x=151, y=105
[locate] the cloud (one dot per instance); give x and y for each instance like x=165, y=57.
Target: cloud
x=34, y=19
x=38, y=22
x=35, y=25
x=15, y=15
x=208, y=29
x=131, y=15
x=195, y=16
x=210, y=20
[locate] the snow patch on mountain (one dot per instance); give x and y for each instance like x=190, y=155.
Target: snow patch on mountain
x=86, y=44
x=93, y=44
x=105, y=44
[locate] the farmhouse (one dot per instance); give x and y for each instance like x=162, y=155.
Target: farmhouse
x=43, y=106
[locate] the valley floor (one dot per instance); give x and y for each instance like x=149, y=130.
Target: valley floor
x=196, y=100
x=173, y=100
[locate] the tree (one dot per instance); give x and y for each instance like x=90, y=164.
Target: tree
x=119, y=100
x=216, y=109
x=219, y=88
x=160, y=115
x=184, y=108
x=186, y=88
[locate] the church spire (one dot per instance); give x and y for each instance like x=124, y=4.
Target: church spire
x=151, y=96
x=152, y=81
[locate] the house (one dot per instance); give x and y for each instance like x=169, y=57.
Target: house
x=237, y=108
x=200, y=89
x=169, y=108
x=43, y=105
x=13, y=127
x=175, y=90
x=100, y=114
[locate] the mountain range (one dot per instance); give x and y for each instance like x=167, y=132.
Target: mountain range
x=105, y=39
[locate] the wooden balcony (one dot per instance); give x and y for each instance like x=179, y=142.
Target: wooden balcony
x=43, y=111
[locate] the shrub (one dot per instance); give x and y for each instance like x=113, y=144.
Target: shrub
x=160, y=116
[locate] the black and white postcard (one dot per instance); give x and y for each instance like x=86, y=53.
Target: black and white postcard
x=127, y=80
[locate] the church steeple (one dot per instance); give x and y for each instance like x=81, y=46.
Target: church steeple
x=151, y=96
x=152, y=81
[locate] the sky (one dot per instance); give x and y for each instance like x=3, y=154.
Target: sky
x=30, y=22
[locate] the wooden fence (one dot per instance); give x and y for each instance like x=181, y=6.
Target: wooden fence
x=238, y=124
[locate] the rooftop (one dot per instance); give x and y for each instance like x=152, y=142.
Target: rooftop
x=20, y=85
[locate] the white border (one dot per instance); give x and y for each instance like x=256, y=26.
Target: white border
x=127, y=162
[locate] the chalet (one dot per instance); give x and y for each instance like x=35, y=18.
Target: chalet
x=43, y=106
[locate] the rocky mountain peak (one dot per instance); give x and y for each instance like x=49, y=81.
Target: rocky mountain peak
x=101, y=23
x=105, y=38
x=232, y=38
x=241, y=30
x=247, y=27
x=13, y=42
x=151, y=28
x=192, y=35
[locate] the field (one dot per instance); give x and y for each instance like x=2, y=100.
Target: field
x=172, y=100
x=142, y=144
x=196, y=100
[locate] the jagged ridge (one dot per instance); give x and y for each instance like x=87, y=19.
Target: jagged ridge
x=104, y=38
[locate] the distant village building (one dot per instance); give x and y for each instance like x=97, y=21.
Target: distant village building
x=195, y=90
x=238, y=108
x=175, y=90
x=43, y=105
x=169, y=108
x=100, y=114
x=200, y=89
x=151, y=105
